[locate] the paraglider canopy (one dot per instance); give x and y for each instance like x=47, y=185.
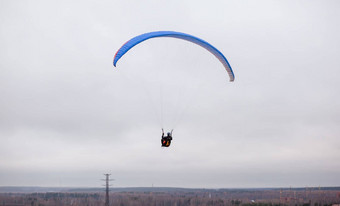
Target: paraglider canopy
x=138, y=39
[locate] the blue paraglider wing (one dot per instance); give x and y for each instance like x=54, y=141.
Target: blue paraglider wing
x=138, y=39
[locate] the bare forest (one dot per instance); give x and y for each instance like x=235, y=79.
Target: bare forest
x=178, y=197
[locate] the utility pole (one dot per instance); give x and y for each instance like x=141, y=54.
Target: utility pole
x=107, y=185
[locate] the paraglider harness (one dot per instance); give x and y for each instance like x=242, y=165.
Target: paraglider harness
x=166, y=140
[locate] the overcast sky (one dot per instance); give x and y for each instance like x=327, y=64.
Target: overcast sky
x=67, y=116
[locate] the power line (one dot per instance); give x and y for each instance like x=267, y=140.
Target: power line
x=107, y=190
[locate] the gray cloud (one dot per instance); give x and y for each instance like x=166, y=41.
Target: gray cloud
x=67, y=116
